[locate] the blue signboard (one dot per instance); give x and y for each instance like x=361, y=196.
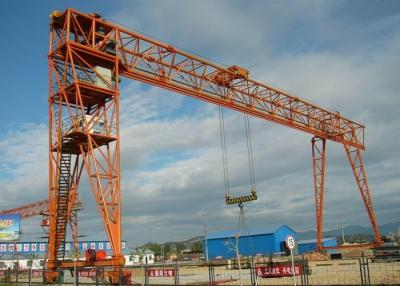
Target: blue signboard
x=10, y=227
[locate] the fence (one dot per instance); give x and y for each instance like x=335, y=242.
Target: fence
x=357, y=271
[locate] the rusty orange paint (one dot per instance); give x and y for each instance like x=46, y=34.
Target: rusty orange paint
x=87, y=55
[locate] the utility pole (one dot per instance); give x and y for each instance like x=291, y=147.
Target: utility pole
x=205, y=233
x=162, y=253
x=341, y=220
x=237, y=236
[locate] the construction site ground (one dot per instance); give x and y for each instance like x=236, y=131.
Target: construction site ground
x=333, y=272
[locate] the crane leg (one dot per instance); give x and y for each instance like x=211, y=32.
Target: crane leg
x=72, y=204
x=357, y=165
x=318, y=153
x=73, y=221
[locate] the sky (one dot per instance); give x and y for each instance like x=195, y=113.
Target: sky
x=343, y=55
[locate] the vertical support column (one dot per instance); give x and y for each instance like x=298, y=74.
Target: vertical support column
x=211, y=274
x=252, y=272
x=357, y=165
x=73, y=200
x=55, y=122
x=176, y=273
x=84, y=108
x=102, y=164
x=76, y=277
x=146, y=274
x=30, y=274
x=73, y=218
x=73, y=221
x=318, y=153
x=97, y=276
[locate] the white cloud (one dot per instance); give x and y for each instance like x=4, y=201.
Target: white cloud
x=171, y=166
x=23, y=157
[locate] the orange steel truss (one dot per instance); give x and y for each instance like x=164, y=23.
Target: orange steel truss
x=29, y=210
x=88, y=54
x=42, y=208
x=318, y=153
x=357, y=165
x=83, y=132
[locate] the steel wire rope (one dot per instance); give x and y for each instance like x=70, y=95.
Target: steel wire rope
x=250, y=152
x=242, y=225
x=243, y=229
x=224, y=152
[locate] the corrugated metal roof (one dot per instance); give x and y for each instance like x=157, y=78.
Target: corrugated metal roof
x=252, y=231
x=148, y=251
x=306, y=241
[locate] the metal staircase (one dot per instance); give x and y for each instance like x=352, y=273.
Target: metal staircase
x=64, y=183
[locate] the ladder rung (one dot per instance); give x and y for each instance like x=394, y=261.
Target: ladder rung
x=63, y=196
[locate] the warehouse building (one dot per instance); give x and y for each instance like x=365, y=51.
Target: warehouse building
x=310, y=245
x=258, y=241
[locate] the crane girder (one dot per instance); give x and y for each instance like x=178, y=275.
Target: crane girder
x=35, y=209
x=198, y=78
x=150, y=61
x=29, y=210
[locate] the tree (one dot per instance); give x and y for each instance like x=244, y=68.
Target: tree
x=235, y=247
x=179, y=247
x=197, y=246
x=156, y=248
x=167, y=250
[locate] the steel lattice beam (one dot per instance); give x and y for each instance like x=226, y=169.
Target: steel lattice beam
x=160, y=64
x=357, y=165
x=29, y=210
x=319, y=158
x=34, y=209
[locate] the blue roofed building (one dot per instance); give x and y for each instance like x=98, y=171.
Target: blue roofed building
x=310, y=245
x=258, y=241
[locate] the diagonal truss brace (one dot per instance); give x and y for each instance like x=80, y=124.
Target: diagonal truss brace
x=356, y=162
x=357, y=165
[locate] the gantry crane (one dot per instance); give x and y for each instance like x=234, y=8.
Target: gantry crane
x=88, y=55
x=42, y=208
x=29, y=210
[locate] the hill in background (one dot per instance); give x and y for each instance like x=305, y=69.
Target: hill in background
x=353, y=233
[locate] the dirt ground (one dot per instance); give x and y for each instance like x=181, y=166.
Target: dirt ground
x=336, y=272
